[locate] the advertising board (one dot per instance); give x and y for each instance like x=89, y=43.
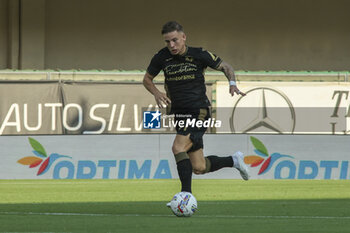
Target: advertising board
x=149, y=156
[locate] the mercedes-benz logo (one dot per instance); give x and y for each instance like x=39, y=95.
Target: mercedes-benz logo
x=263, y=110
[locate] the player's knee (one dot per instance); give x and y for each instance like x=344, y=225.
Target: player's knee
x=177, y=149
x=199, y=169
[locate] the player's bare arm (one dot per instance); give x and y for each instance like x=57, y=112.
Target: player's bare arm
x=229, y=72
x=161, y=99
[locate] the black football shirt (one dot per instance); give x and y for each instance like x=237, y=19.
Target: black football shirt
x=184, y=76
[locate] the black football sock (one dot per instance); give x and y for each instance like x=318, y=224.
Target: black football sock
x=184, y=169
x=215, y=163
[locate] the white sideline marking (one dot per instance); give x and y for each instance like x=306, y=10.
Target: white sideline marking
x=263, y=202
x=164, y=215
x=242, y=202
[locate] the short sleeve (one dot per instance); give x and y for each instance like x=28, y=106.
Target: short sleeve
x=155, y=65
x=210, y=59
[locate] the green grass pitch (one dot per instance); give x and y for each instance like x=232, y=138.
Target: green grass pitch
x=256, y=206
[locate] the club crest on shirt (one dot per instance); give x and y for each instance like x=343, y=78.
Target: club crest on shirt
x=189, y=59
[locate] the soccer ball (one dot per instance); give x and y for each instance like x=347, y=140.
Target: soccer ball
x=183, y=204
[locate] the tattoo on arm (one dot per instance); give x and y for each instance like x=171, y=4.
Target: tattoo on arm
x=227, y=70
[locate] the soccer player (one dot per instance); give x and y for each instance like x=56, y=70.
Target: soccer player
x=185, y=96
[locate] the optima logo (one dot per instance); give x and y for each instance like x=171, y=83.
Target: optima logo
x=264, y=158
x=89, y=169
x=40, y=158
x=288, y=168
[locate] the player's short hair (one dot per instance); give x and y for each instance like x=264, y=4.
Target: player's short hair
x=172, y=26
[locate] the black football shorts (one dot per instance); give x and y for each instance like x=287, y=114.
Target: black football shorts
x=190, y=121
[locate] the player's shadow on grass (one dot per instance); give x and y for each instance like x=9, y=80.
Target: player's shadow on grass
x=309, y=207
x=263, y=216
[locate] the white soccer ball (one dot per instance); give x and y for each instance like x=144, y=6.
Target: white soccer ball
x=183, y=204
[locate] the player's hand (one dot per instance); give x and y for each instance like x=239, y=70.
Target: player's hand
x=234, y=89
x=162, y=100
